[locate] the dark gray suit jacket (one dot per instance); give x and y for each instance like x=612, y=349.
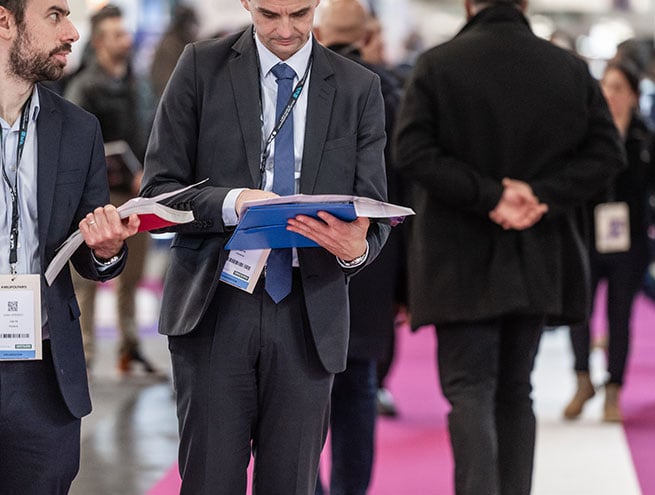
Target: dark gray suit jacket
x=71, y=182
x=496, y=101
x=208, y=125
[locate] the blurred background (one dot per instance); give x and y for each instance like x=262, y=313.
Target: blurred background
x=594, y=27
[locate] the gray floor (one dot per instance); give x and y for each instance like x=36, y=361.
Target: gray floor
x=130, y=439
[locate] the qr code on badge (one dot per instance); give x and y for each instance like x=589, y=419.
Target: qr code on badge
x=12, y=306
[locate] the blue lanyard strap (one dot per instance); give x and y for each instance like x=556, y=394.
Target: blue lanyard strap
x=22, y=137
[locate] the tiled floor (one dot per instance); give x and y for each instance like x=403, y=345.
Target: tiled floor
x=129, y=441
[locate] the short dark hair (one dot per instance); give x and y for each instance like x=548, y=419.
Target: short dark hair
x=109, y=11
x=16, y=7
x=516, y=3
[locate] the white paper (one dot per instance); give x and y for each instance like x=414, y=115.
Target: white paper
x=74, y=241
x=364, y=207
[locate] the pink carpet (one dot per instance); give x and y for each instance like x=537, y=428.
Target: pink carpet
x=638, y=400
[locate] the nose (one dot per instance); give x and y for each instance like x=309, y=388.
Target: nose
x=284, y=28
x=70, y=34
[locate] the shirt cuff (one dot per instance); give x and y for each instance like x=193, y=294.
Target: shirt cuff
x=103, y=266
x=230, y=216
x=359, y=261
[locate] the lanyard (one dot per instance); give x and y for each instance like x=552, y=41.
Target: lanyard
x=22, y=136
x=293, y=99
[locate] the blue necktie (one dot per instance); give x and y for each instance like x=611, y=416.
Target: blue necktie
x=278, y=267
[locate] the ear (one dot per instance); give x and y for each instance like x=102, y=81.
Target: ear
x=7, y=24
x=469, y=9
x=246, y=4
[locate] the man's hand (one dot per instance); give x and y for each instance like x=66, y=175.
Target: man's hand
x=251, y=195
x=518, y=207
x=345, y=240
x=105, y=233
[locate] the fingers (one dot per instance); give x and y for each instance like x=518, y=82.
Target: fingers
x=251, y=195
x=105, y=232
x=346, y=240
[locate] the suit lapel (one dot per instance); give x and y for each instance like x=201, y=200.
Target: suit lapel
x=49, y=125
x=245, y=83
x=319, y=108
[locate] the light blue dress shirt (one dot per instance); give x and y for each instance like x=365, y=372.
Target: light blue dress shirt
x=267, y=59
x=28, y=228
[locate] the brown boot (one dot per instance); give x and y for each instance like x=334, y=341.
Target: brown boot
x=584, y=392
x=611, y=411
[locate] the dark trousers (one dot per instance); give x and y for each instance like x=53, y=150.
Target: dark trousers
x=249, y=379
x=352, y=427
x=625, y=274
x=39, y=438
x=484, y=370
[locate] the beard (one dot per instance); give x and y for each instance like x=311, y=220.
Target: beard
x=30, y=64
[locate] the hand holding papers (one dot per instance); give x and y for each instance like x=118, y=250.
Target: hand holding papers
x=152, y=215
x=263, y=222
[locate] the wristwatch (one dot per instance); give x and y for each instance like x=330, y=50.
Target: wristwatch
x=108, y=262
x=356, y=261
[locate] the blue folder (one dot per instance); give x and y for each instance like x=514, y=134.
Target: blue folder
x=265, y=226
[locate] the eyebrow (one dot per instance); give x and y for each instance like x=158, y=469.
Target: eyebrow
x=60, y=10
x=300, y=12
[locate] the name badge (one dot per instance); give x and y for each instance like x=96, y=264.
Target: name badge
x=243, y=268
x=612, y=222
x=20, y=317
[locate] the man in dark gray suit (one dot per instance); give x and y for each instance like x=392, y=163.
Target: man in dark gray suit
x=53, y=181
x=252, y=374
x=503, y=135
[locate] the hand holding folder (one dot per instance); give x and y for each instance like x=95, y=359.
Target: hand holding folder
x=263, y=223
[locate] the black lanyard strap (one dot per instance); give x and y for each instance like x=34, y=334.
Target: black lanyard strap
x=22, y=137
x=293, y=99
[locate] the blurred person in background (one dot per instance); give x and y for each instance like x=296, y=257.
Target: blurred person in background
x=182, y=30
x=54, y=182
x=623, y=266
x=343, y=27
x=503, y=135
x=108, y=88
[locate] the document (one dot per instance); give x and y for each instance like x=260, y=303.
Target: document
x=152, y=214
x=20, y=317
x=263, y=223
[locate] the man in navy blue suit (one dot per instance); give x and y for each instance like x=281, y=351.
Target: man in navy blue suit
x=53, y=181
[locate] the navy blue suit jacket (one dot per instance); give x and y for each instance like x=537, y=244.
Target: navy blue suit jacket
x=71, y=182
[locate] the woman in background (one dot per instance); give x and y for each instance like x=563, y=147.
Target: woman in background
x=622, y=266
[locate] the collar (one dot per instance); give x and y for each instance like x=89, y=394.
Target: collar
x=497, y=13
x=298, y=61
x=35, y=105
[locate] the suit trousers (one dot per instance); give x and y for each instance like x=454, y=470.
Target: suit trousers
x=249, y=379
x=39, y=437
x=352, y=428
x=484, y=371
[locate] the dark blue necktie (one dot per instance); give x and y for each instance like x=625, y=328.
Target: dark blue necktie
x=278, y=267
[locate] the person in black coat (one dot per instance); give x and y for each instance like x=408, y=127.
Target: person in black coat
x=624, y=264
x=343, y=27
x=503, y=135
